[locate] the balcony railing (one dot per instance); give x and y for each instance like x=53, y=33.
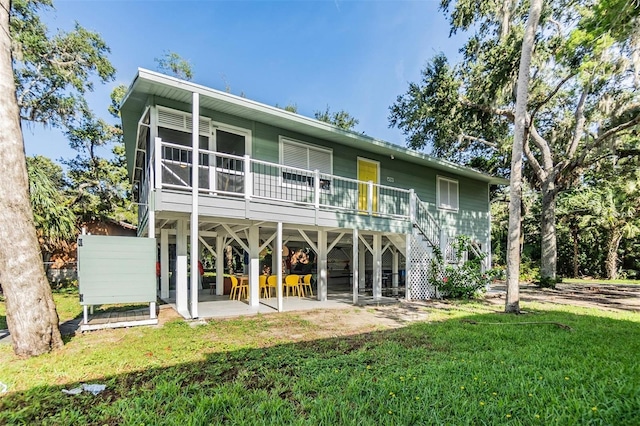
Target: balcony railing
x=223, y=174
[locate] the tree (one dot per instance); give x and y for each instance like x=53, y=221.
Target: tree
x=173, y=64
x=512, y=302
x=43, y=79
x=341, y=119
x=31, y=313
x=581, y=99
x=55, y=223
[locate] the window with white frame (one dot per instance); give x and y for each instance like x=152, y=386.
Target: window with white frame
x=298, y=155
x=447, y=193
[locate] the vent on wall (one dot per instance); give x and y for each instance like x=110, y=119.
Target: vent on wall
x=179, y=120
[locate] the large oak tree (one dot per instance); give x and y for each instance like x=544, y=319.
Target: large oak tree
x=42, y=78
x=583, y=96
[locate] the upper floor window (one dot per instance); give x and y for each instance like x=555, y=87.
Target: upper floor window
x=447, y=194
x=299, y=155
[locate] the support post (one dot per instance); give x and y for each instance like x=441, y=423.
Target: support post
x=355, y=268
x=195, y=190
x=152, y=310
x=370, y=197
x=361, y=266
x=409, y=273
x=316, y=189
x=157, y=159
x=322, y=265
x=278, y=271
x=248, y=178
x=164, y=263
x=377, y=266
x=181, y=268
x=254, y=265
x=395, y=270
x=220, y=264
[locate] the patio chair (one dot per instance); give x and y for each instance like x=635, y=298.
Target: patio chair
x=237, y=288
x=265, y=290
x=272, y=283
x=292, y=282
x=306, y=282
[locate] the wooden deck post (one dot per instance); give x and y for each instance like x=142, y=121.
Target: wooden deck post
x=377, y=266
x=322, y=265
x=195, y=185
x=181, y=268
x=220, y=263
x=254, y=265
x=278, y=271
x=164, y=263
x=355, y=265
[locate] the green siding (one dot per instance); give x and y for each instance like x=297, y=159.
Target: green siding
x=116, y=269
x=471, y=219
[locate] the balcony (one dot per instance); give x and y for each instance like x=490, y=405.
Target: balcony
x=244, y=178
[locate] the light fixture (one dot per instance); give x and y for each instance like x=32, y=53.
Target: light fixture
x=392, y=157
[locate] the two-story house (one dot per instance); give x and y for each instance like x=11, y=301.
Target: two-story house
x=267, y=178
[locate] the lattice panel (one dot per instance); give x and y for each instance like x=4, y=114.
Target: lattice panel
x=418, y=266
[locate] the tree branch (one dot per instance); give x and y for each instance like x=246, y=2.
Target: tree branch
x=615, y=130
x=579, y=129
x=551, y=95
x=506, y=113
x=533, y=161
x=477, y=139
x=543, y=146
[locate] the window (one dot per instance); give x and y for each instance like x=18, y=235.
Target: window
x=307, y=157
x=447, y=194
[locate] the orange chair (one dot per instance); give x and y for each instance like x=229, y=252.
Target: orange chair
x=238, y=289
x=306, y=282
x=292, y=282
x=272, y=283
x=265, y=290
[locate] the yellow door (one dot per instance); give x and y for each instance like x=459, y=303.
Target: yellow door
x=367, y=171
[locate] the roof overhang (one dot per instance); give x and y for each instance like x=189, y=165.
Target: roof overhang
x=149, y=83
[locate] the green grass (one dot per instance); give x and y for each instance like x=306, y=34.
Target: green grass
x=598, y=281
x=246, y=371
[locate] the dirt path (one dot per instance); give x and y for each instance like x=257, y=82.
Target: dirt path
x=596, y=295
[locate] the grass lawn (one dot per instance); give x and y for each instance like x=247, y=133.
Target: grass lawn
x=598, y=281
x=250, y=371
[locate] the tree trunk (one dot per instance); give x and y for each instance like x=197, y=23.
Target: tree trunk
x=549, y=257
x=611, y=263
x=31, y=313
x=512, y=303
x=576, y=241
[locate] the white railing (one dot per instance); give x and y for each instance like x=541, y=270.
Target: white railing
x=242, y=176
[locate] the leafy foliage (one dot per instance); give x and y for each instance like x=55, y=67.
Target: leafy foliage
x=462, y=278
x=583, y=99
x=341, y=119
x=53, y=72
x=55, y=222
x=173, y=64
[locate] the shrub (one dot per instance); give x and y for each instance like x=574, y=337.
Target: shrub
x=463, y=279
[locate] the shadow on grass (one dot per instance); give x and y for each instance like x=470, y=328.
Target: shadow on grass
x=427, y=373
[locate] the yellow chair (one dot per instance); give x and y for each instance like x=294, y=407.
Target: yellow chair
x=265, y=291
x=238, y=289
x=272, y=283
x=292, y=282
x=306, y=282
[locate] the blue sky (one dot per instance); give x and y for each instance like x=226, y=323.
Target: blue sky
x=352, y=55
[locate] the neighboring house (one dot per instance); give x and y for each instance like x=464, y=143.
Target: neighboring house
x=63, y=263
x=268, y=177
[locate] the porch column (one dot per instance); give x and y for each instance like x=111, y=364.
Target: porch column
x=361, y=266
x=395, y=269
x=377, y=266
x=355, y=265
x=278, y=271
x=408, y=266
x=181, y=268
x=254, y=266
x=322, y=265
x=164, y=263
x=220, y=264
x=195, y=238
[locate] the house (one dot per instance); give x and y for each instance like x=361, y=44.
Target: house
x=268, y=178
